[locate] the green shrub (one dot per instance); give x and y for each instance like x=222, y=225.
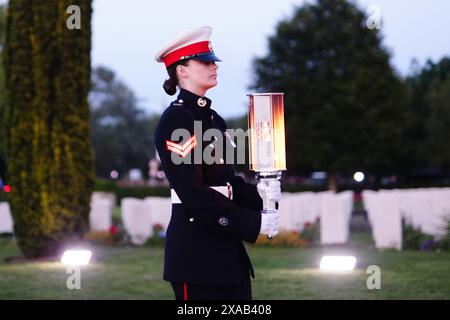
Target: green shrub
x=158, y=238
x=115, y=236
x=444, y=243
x=303, y=188
x=283, y=239
x=105, y=185
x=311, y=232
x=141, y=192
x=414, y=238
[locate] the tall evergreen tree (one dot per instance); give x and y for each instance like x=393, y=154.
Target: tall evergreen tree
x=344, y=104
x=50, y=165
x=2, y=92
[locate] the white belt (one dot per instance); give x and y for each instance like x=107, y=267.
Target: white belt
x=227, y=191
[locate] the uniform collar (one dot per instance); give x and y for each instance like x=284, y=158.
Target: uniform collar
x=194, y=100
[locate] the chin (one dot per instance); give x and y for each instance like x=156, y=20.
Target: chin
x=212, y=84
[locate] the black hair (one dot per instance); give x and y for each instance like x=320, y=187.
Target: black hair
x=170, y=85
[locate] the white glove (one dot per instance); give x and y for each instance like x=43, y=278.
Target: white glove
x=269, y=191
x=269, y=224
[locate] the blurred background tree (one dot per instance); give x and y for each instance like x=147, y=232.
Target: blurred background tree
x=437, y=126
x=2, y=93
x=428, y=131
x=49, y=154
x=345, y=105
x=122, y=133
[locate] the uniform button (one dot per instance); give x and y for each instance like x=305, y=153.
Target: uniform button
x=212, y=117
x=191, y=219
x=211, y=145
x=221, y=161
x=180, y=101
x=223, y=221
x=201, y=102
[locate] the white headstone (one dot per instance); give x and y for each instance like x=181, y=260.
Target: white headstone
x=334, y=218
x=100, y=216
x=6, y=221
x=136, y=219
x=160, y=209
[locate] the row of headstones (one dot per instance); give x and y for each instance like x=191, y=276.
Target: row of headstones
x=296, y=209
x=334, y=210
x=139, y=216
x=427, y=209
x=423, y=208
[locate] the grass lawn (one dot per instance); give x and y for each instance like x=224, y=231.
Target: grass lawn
x=281, y=273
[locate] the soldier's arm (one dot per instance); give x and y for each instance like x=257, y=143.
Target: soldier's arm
x=202, y=203
x=245, y=194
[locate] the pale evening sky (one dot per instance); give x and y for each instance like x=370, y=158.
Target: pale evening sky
x=127, y=35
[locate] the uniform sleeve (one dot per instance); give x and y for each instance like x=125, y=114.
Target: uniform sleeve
x=245, y=194
x=204, y=204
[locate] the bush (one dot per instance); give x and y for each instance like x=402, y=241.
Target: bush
x=116, y=235
x=303, y=188
x=415, y=239
x=141, y=192
x=444, y=243
x=105, y=185
x=158, y=237
x=311, y=232
x=283, y=239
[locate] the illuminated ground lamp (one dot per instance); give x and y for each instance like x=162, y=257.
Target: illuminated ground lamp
x=76, y=257
x=266, y=139
x=337, y=263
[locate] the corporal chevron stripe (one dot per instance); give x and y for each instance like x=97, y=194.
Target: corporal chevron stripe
x=182, y=149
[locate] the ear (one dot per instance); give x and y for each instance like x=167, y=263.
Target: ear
x=181, y=71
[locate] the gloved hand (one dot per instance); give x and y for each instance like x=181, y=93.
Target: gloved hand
x=269, y=224
x=269, y=191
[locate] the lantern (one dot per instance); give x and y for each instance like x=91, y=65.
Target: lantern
x=266, y=138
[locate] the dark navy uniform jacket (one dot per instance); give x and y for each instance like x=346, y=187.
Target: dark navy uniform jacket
x=204, y=239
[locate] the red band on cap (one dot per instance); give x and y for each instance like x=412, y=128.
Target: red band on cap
x=194, y=48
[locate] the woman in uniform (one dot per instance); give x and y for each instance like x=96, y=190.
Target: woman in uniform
x=213, y=210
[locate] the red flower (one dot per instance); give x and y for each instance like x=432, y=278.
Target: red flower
x=306, y=225
x=113, y=230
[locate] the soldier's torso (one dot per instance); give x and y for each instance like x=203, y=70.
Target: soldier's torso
x=193, y=252
x=214, y=149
